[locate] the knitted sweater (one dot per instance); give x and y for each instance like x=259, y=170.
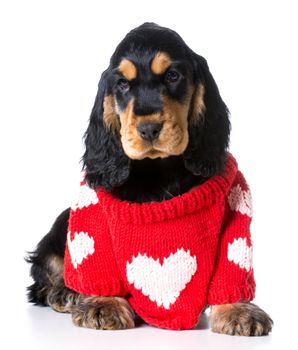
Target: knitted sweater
x=168, y=258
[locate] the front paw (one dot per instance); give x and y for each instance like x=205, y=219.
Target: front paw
x=103, y=313
x=244, y=319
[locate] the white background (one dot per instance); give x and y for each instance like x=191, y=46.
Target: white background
x=52, y=55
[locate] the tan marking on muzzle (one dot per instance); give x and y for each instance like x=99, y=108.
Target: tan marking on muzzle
x=109, y=113
x=173, y=138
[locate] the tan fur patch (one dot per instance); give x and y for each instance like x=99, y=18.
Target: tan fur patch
x=198, y=104
x=62, y=299
x=128, y=69
x=174, y=138
x=55, y=269
x=109, y=113
x=160, y=63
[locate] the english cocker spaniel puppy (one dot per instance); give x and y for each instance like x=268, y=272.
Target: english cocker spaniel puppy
x=157, y=137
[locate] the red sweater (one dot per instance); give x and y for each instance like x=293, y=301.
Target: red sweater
x=168, y=258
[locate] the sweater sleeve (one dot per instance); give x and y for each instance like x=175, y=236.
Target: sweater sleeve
x=89, y=263
x=233, y=278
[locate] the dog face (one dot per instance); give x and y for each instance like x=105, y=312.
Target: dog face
x=156, y=99
x=150, y=104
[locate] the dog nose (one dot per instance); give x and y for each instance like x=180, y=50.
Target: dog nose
x=149, y=131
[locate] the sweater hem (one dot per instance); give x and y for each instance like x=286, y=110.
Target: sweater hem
x=189, y=321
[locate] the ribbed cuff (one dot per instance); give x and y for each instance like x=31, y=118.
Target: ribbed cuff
x=230, y=295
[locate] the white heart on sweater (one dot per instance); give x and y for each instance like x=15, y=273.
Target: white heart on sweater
x=240, y=253
x=80, y=247
x=86, y=197
x=162, y=283
x=240, y=200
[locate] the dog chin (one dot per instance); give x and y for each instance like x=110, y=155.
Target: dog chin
x=156, y=154
x=149, y=153
x=153, y=153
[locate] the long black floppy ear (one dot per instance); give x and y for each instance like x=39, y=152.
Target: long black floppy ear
x=209, y=126
x=104, y=160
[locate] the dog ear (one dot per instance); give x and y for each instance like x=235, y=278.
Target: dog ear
x=209, y=126
x=104, y=160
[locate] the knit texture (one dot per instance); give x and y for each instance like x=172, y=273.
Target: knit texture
x=168, y=258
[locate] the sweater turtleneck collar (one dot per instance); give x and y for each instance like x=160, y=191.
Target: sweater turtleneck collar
x=214, y=189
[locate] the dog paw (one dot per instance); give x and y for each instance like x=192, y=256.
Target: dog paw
x=244, y=319
x=103, y=313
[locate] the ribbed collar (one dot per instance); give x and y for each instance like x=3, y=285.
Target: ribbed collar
x=214, y=189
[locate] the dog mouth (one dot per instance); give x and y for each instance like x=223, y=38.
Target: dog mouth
x=157, y=149
x=149, y=152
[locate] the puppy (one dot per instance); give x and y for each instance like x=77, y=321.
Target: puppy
x=158, y=129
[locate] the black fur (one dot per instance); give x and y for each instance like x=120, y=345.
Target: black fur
x=206, y=151
x=104, y=160
x=52, y=244
x=157, y=180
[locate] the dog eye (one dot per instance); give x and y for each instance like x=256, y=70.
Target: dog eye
x=171, y=76
x=123, y=85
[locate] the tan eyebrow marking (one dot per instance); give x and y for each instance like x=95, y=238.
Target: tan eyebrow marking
x=128, y=69
x=160, y=63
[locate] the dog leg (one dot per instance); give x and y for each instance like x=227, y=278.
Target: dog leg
x=57, y=295
x=89, y=312
x=242, y=318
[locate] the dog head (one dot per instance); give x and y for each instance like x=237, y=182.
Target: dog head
x=156, y=99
